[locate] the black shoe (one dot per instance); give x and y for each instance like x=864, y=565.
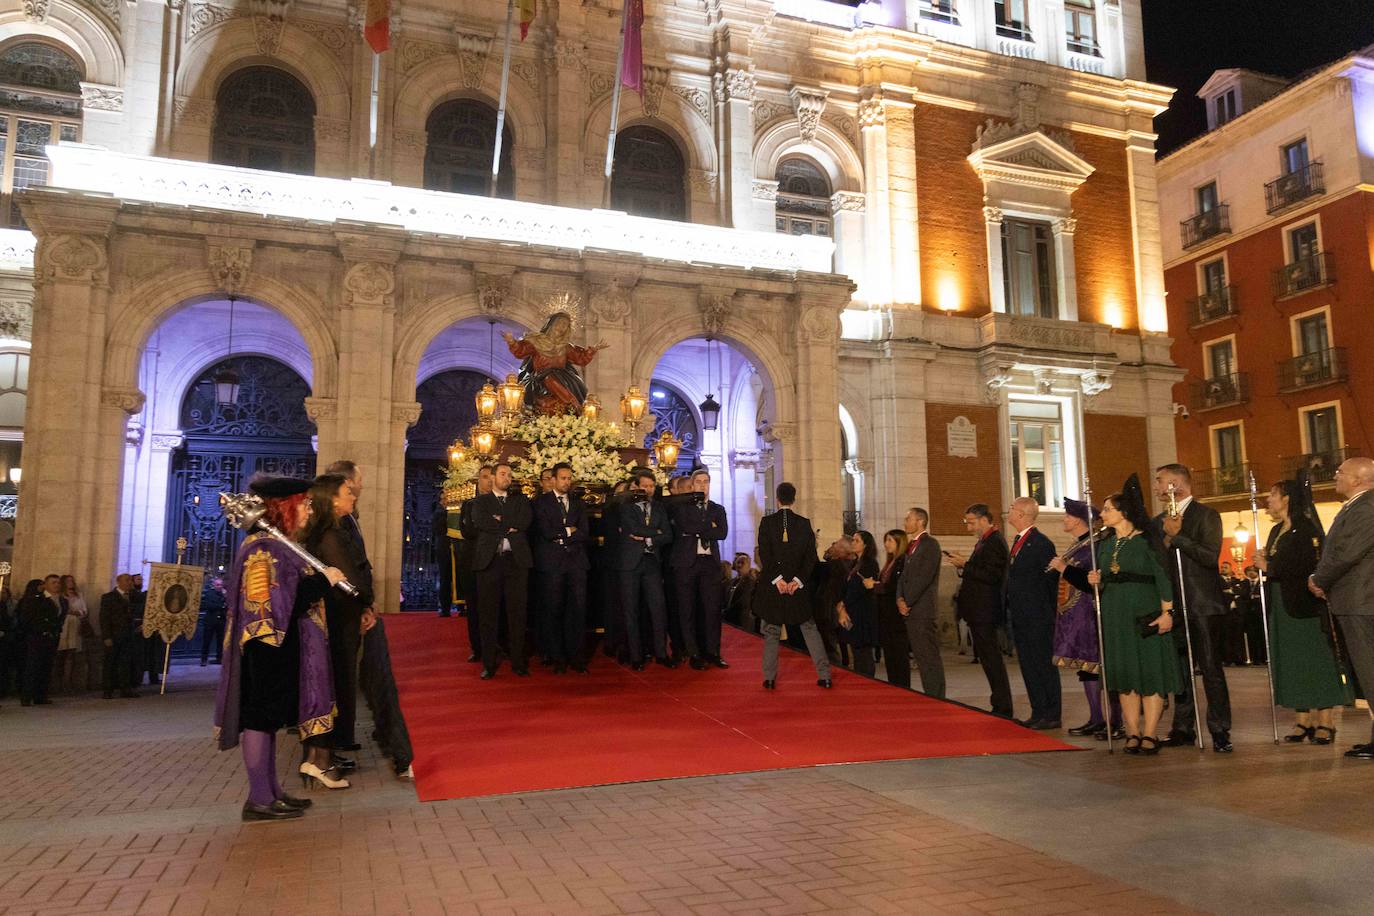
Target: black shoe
x=719, y=662
x=1303, y=733
x=698, y=663
x=1362, y=751
x=1118, y=733
x=292, y=801
x=522, y=671
x=445, y=613
x=1149, y=750
x=824, y=683
x=203, y=662
x=1132, y=748
x=1221, y=743
x=667, y=662
x=277, y=811
x=487, y=674
x=474, y=657
x=355, y=746
x=579, y=668
x=344, y=764
x=1026, y=723
x=769, y=685
x=1088, y=728
x=1046, y=725
x=637, y=666
x=560, y=667
x=1179, y=739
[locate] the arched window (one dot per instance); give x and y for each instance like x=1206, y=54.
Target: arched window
x=265, y=119
x=803, y=206
x=648, y=177
x=40, y=103
x=460, y=140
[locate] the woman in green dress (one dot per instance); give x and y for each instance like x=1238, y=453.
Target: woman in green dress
x=1137, y=615
x=1307, y=679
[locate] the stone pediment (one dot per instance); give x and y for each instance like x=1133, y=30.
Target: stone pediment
x=1030, y=157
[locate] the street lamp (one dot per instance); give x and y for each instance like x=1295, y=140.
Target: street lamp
x=1240, y=537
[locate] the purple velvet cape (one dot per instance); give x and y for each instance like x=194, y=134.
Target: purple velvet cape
x=1075, y=627
x=260, y=599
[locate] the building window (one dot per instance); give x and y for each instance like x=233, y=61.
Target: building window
x=460, y=141
x=1221, y=359
x=1028, y=268
x=1312, y=333
x=1302, y=243
x=1293, y=158
x=1322, y=430
x=803, y=206
x=946, y=11
x=1206, y=196
x=40, y=103
x=648, y=177
x=1228, y=451
x=1037, y=451
x=1080, y=27
x=1214, y=277
x=1011, y=19
x=1224, y=107
x=265, y=119
x=14, y=390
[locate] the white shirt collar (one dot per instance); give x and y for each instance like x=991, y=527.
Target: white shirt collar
x=1184, y=503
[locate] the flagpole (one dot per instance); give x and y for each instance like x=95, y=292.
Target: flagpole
x=615, y=105
x=372, y=114
x=501, y=106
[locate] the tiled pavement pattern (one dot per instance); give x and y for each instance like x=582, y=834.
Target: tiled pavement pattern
x=124, y=806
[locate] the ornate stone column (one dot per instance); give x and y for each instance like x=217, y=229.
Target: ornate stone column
x=813, y=460
x=567, y=120
x=1066, y=272
x=997, y=294
x=877, y=194
x=734, y=90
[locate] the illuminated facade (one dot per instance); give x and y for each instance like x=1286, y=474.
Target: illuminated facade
x=1268, y=275
x=911, y=248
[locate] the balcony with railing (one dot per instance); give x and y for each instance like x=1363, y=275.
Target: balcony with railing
x=1219, y=391
x=1219, y=483
x=1213, y=305
x=1304, y=274
x=1311, y=370
x=1320, y=466
x=1295, y=187
x=1200, y=227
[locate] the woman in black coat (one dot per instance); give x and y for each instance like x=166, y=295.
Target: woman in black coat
x=857, y=610
x=40, y=626
x=892, y=633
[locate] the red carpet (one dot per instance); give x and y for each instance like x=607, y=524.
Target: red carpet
x=548, y=731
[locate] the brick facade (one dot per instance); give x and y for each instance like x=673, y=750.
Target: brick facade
x=957, y=482
x=1102, y=243
x=953, y=238
x=1114, y=453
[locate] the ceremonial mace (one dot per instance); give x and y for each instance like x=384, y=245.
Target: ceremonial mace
x=1106, y=698
x=1187, y=631
x=245, y=512
x=1264, y=611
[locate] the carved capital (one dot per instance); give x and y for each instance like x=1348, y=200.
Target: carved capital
x=851, y=201
x=715, y=309
x=329, y=130
x=992, y=215
x=997, y=378
x=872, y=114
x=493, y=290
x=318, y=409
x=36, y=10
x=610, y=302
x=229, y=264
x=819, y=324
x=655, y=79
x=407, y=412
x=133, y=433
x=569, y=54
x=1095, y=382
x=780, y=432
x=748, y=458
x=267, y=34
x=808, y=104
x=473, y=51
x=702, y=180
x=1065, y=225
x=739, y=85
x=101, y=98
x=77, y=258
x=129, y=400
x=765, y=190
x=167, y=441
x=369, y=283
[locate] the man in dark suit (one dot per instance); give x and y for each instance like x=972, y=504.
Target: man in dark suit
x=643, y=532
x=463, y=570
x=560, y=535
x=502, y=560
x=699, y=526
x=1345, y=575
x=918, y=591
x=1032, y=605
x=117, y=632
x=979, y=602
x=41, y=619
x=360, y=574
x=1192, y=540
x=443, y=560
x=787, y=557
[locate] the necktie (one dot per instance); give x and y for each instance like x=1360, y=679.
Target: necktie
x=563, y=501
x=501, y=500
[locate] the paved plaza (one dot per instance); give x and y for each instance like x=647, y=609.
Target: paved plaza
x=125, y=806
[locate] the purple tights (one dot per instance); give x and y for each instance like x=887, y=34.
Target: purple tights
x=260, y=760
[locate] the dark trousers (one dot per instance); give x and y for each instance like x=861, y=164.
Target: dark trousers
x=1254, y=634
x=1357, y=633
x=444, y=549
x=698, y=605
x=677, y=640
x=924, y=639
x=1034, y=637
x=502, y=582
x=863, y=661
x=896, y=649
x=147, y=656
x=11, y=665
x=117, y=671
x=563, y=626
x=988, y=648
x=1208, y=633
x=212, y=636
x=345, y=639
x=39, y=655
x=472, y=609
x=643, y=586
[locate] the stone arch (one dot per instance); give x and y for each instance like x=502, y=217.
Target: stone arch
x=674, y=117
x=470, y=353
x=829, y=149
x=432, y=84
x=219, y=50
x=82, y=34
x=136, y=313
x=421, y=325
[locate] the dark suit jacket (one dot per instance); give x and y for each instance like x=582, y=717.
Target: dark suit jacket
x=1199, y=544
x=980, y=595
x=468, y=543
x=1346, y=569
x=40, y=619
x=363, y=566
x=919, y=585
x=495, y=521
x=554, y=548
x=625, y=551
x=337, y=548
x=791, y=559
x=116, y=616
x=693, y=521
x=1032, y=591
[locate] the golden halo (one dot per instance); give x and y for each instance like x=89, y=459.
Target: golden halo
x=567, y=303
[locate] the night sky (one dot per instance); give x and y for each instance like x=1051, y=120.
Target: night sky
x=1185, y=40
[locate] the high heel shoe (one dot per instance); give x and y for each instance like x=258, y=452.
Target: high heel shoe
x=1316, y=739
x=1303, y=733
x=314, y=777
